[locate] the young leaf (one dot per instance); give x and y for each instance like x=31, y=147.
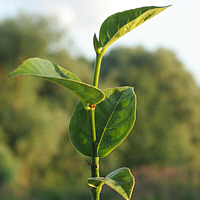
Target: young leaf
x=121, y=23
x=97, y=46
x=48, y=70
x=121, y=180
x=114, y=119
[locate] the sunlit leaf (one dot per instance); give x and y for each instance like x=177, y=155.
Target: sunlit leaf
x=115, y=117
x=121, y=180
x=48, y=70
x=121, y=23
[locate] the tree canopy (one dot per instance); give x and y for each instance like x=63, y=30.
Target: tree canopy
x=168, y=123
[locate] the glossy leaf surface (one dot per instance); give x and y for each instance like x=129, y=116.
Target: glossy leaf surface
x=52, y=72
x=121, y=180
x=115, y=117
x=121, y=23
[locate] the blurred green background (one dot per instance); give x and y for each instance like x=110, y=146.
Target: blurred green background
x=37, y=160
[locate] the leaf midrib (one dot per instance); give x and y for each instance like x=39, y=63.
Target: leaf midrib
x=99, y=143
x=128, y=22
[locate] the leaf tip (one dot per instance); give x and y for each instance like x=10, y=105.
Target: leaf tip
x=10, y=74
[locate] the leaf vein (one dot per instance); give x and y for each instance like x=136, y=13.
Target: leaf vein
x=109, y=120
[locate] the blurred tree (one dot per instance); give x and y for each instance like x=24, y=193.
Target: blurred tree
x=7, y=171
x=34, y=114
x=27, y=36
x=168, y=118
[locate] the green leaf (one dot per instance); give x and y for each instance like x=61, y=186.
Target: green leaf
x=121, y=23
x=48, y=70
x=114, y=119
x=121, y=180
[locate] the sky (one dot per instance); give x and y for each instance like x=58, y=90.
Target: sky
x=177, y=28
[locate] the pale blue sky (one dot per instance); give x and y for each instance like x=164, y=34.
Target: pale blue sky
x=177, y=28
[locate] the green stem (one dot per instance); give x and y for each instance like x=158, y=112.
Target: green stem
x=91, y=115
x=99, y=57
x=96, y=192
x=95, y=159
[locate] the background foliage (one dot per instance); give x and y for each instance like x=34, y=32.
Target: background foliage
x=37, y=160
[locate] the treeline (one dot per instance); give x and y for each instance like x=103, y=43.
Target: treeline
x=37, y=160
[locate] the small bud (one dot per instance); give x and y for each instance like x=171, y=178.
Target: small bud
x=89, y=163
x=93, y=105
x=97, y=46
